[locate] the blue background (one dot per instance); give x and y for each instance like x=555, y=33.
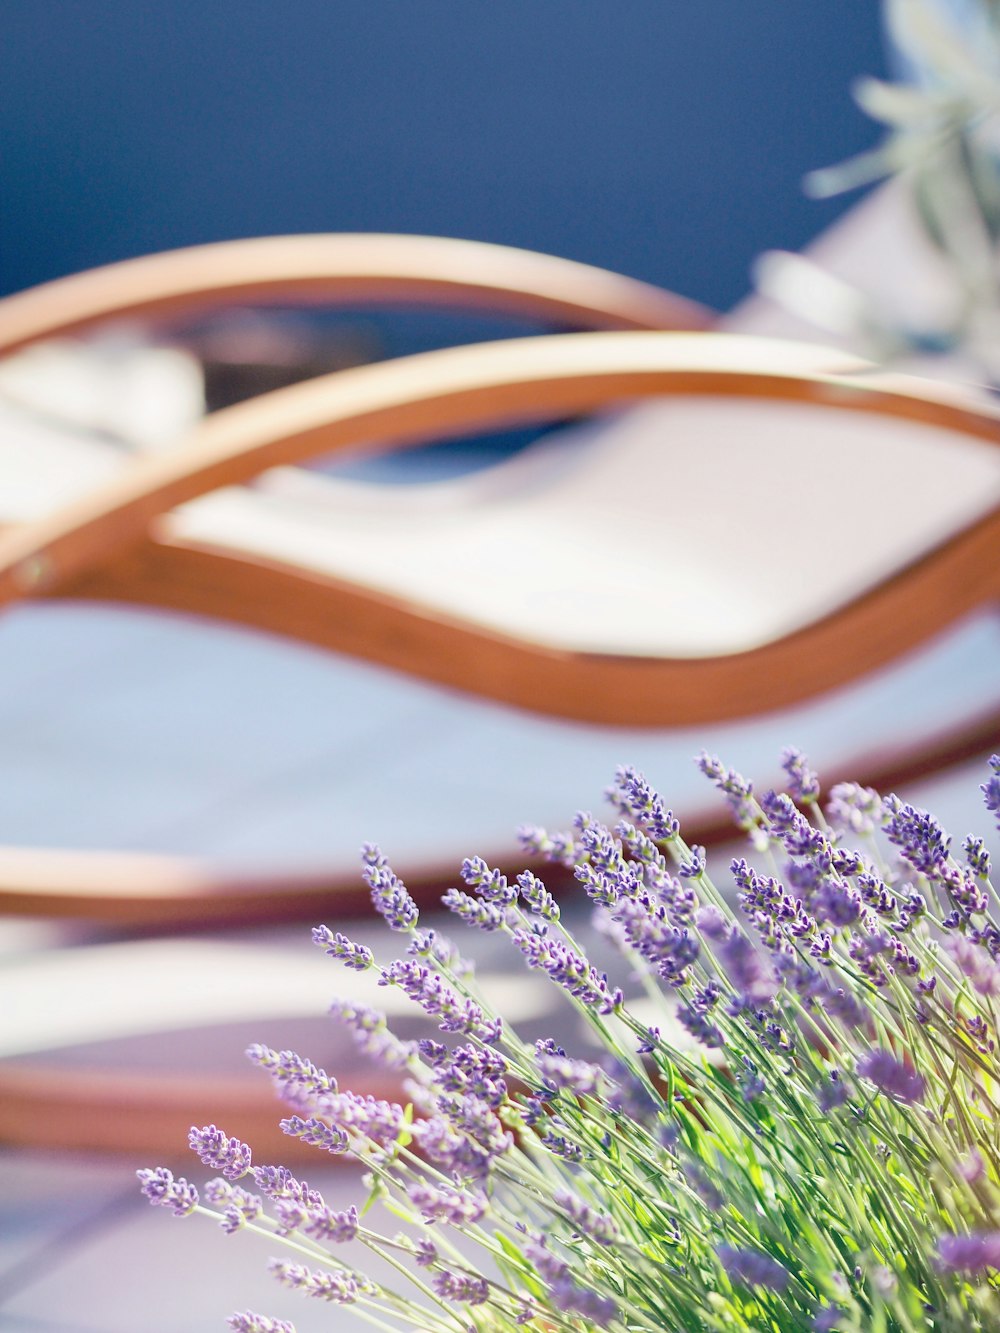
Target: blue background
x=662, y=138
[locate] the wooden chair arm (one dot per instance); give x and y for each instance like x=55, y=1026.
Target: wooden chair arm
x=462, y=390
x=343, y=270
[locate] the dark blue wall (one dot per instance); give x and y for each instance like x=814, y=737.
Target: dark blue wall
x=663, y=138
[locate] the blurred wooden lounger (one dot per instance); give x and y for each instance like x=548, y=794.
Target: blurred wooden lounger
x=124, y=541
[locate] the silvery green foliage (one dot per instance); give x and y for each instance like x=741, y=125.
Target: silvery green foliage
x=941, y=140
x=785, y=1117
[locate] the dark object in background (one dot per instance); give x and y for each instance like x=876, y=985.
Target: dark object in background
x=666, y=141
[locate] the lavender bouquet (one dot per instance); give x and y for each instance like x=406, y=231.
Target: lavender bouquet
x=803, y=1137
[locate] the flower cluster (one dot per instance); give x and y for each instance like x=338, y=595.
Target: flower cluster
x=782, y=1113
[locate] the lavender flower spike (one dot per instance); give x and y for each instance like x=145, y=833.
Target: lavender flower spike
x=160, y=1188
x=753, y=1268
x=389, y=894
x=358, y=957
x=248, y=1322
x=970, y=1254
x=891, y=1076
x=991, y=789
x=229, y=1156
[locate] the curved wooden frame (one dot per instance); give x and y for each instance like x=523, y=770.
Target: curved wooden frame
x=119, y=543
x=345, y=269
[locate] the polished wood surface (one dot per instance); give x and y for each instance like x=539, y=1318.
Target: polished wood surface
x=345, y=269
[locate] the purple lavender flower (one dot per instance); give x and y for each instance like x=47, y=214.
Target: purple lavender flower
x=991, y=789
x=831, y=1093
x=803, y=783
x=537, y=896
x=438, y=1203
x=160, y=1188
x=598, y=1226
x=826, y=1319
x=366, y=1117
x=551, y=1268
x=358, y=957
x=278, y=1183
x=491, y=885
x=453, y=1152
x=483, y=915
x=695, y=865
x=891, y=1076
x=920, y=838
x=854, y=809
x=571, y=1299
x=563, y=1074
x=221, y=1153
x=753, y=1268
x=975, y=963
x=336, y=1227
x=438, y=999
x=239, y=1205
x=679, y=899
x=633, y=796
x=791, y=828
x=389, y=894
x=749, y=972
x=372, y=1036
x=297, y=1081
x=975, y=1253
x=671, y=949
x=570, y=969
x=316, y=1132
x=426, y=1253
x=977, y=856
x=248, y=1322
x=737, y=791
x=469, y=1070
x=558, y=848
x=461, y=1287
x=339, y=1287
x=604, y=873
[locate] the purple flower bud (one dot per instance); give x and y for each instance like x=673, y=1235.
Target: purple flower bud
x=316, y=1132
x=248, y=1322
x=440, y=1203
x=389, y=894
x=920, y=838
x=355, y=956
x=461, y=1287
x=221, y=1153
x=991, y=789
x=571, y=1299
x=160, y=1188
x=632, y=795
x=339, y=1287
x=803, y=783
x=491, y=886
x=753, y=1268
x=737, y=791
x=426, y=1253
x=598, y=1226
x=298, y=1082
x=570, y=969
x=975, y=1253
x=854, y=809
x=438, y=1000
x=537, y=896
x=711, y=922
x=891, y=1076
x=483, y=915
x=975, y=963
